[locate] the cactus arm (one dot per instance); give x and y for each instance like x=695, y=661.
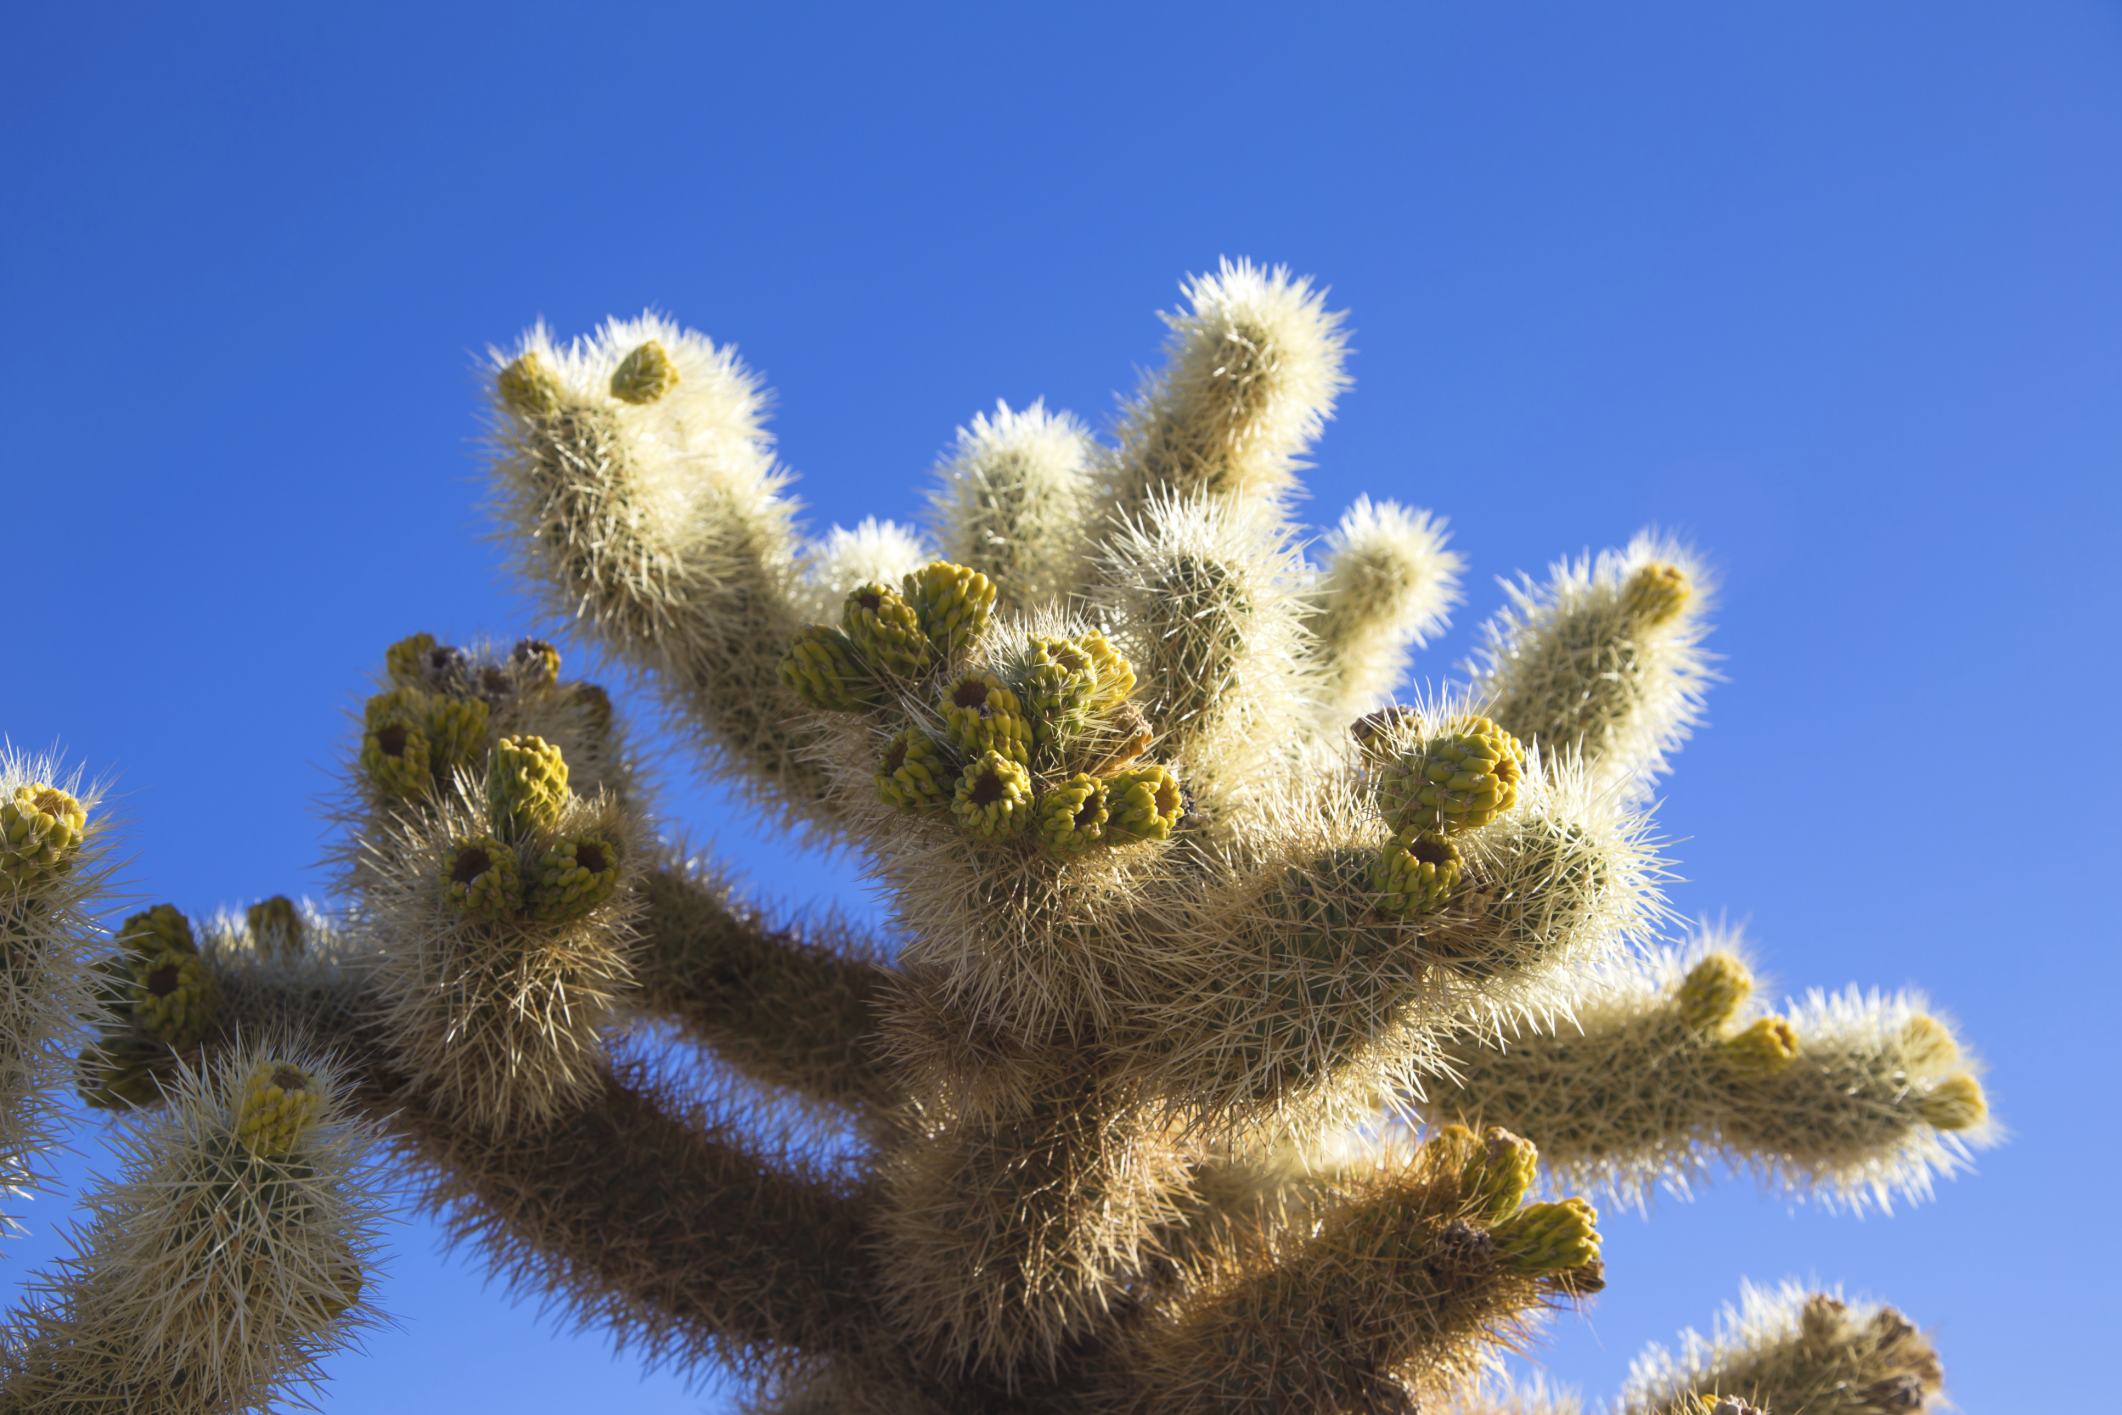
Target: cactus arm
x=1387, y=587
x=660, y=526
x=1013, y=502
x=785, y=1010
x=1397, y=1288
x=1253, y=367
x=1861, y=1099
x=225, y=1260
x=1789, y=1349
x=665, y=1225
x=1606, y=658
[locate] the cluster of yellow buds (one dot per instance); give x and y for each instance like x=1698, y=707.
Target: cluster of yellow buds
x=1549, y=1238
x=1494, y=1173
x=889, y=636
x=481, y=879
x=173, y=996
x=576, y=875
x=1431, y=787
x=41, y=829
x=277, y=1108
x=412, y=738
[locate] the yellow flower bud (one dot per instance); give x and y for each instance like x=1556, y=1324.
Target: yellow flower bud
x=41, y=829
x=644, y=375
x=1762, y=1049
x=953, y=604
x=1116, y=676
x=981, y=715
x=1499, y=1173
x=1144, y=803
x=157, y=930
x=1549, y=1238
x=535, y=663
x=406, y=659
x=480, y=879
x=883, y=626
x=275, y=926
x=1460, y=779
x=526, y=786
x=1072, y=816
x=576, y=875
x=175, y=997
x=1926, y=1044
x=1656, y=594
x=914, y=774
x=822, y=668
x=1956, y=1103
x=276, y=1107
x=1712, y=992
x=455, y=731
x=993, y=799
x=529, y=387
x=1415, y=873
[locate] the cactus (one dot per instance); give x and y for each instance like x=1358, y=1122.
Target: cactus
x=1250, y=1040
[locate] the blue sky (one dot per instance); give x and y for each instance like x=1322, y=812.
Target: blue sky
x=1833, y=288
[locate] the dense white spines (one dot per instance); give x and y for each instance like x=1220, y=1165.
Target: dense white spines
x=1606, y=657
x=1253, y=368
x=655, y=515
x=1857, y=1099
x=1787, y=1349
x=227, y=1258
x=1387, y=586
x=1205, y=598
x=874, y=552
x=1014, y=502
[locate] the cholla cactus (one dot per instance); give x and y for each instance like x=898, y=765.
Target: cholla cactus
x=1247, y=1035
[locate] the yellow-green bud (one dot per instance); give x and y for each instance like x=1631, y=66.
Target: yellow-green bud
x=157, y=930
x=1762, y=1049
x=1116, y=676
x=456, y=731
x=645, y=375
x=994, y=798
x=981, y=715
x=576, y=875
x=1926, y=1043
x=535, y=663
x=275, y=926
x=1549, y=1238
x=526, y=786
x=1712, y=992
x=175, y=997
x=394, y=749
x=821, y=668
x=953, y=604
x=1954, y=1103
x=406, y=659
x=1499, y=1173
x=1072, y=816
x=480, y=879
x=883, y=626
x=119, y=1072
x=530, y=387
x=40, y=831
x=1142, y=803
x=1415, y=873
x=1655, y=594
x=1058, y=688
x=1460, y=779
x=914, y=775
x=276, y=1107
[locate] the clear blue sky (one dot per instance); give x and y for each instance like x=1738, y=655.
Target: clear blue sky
x=1836, y=288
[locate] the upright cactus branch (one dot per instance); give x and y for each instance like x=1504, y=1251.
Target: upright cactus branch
x=1227, y=1019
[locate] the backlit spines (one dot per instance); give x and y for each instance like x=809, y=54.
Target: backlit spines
x=1014, y=500
x=1252, y=371
x=1386, y=588
x=1858, y=1098
x=660, y=523
x=1605, y=658
x=1790, y=1349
